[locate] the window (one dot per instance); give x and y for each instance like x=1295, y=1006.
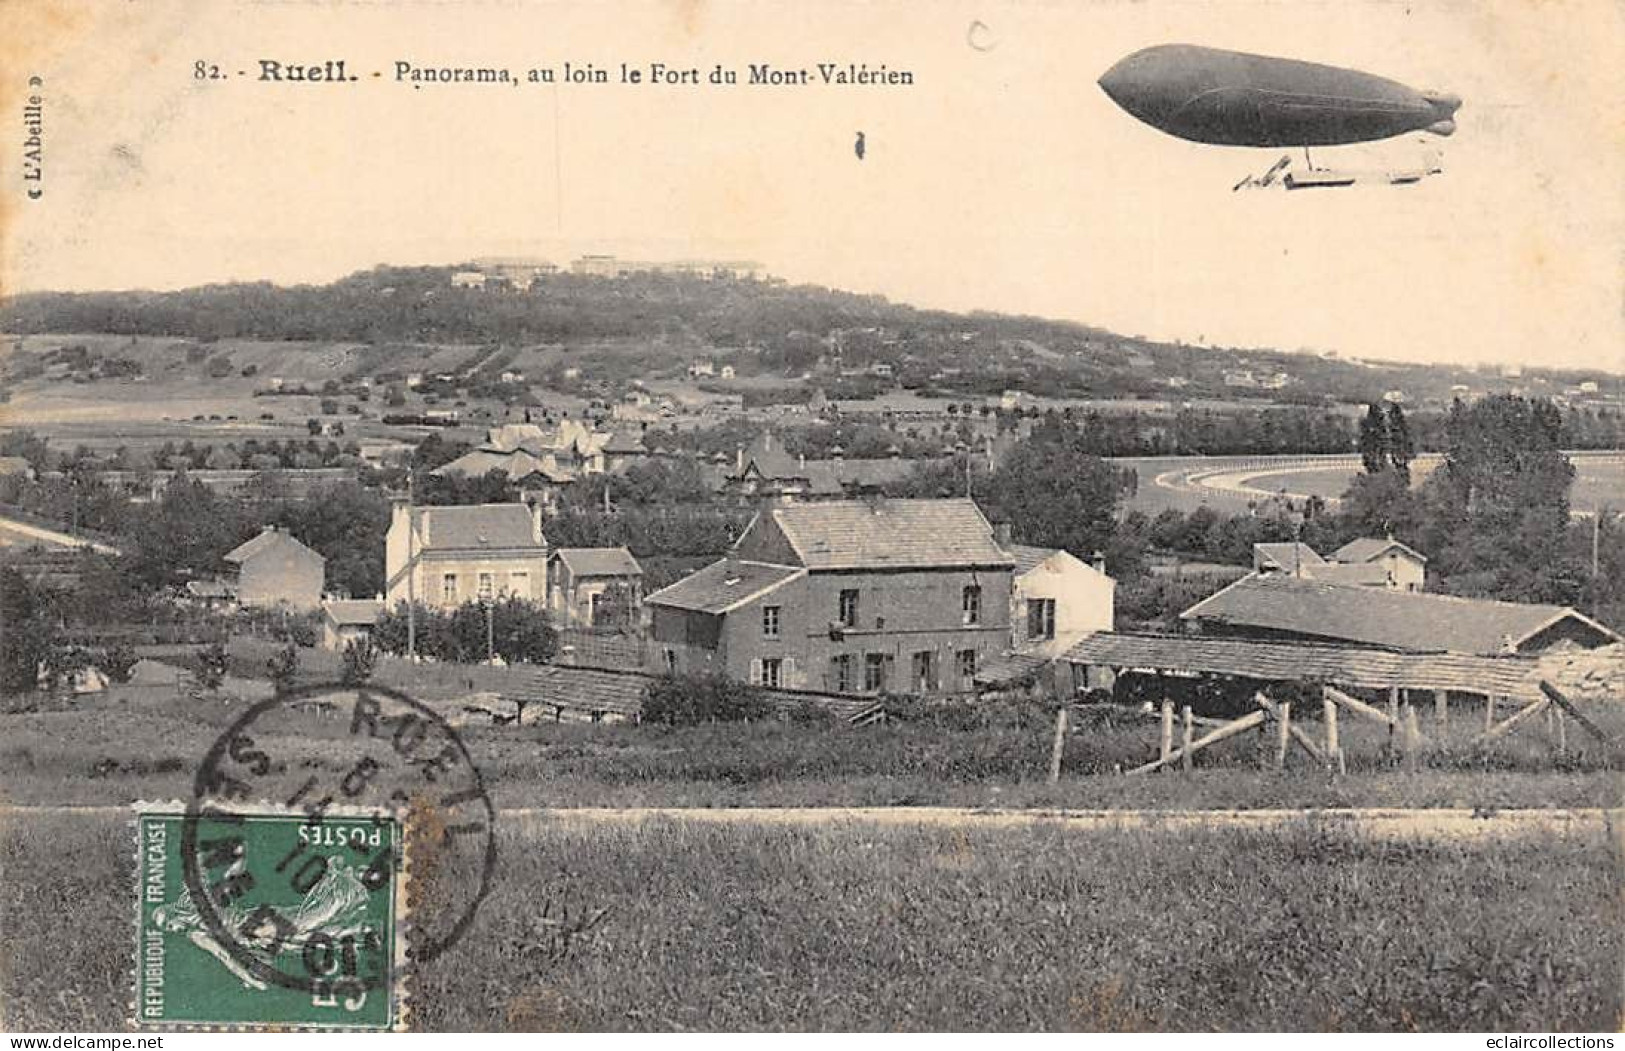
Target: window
x=592, y=607
x=874, y=672
x=770, y=622
x=841, y=665
x=1040, y=618
x=848, y=612
x=970, y=603
x=448, y=588
x=925, y=672
x=671, y=661
x=519, y=584
x=967, y=665
x=772, y=671
x=486, y=587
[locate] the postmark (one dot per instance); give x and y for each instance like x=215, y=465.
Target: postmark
x=336, y=839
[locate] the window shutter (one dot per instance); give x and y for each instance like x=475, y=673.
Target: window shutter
x=787, y=673
x=756, y=671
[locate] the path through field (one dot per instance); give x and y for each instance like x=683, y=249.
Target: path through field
x=1383, y=823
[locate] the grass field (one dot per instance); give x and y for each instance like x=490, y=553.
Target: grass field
x=145, y=742
x=849, y=926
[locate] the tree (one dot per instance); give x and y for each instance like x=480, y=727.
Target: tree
x=25, y=642
x=1054, y=493
x=1401, y=447
x=1497, y=509
x=692, y=699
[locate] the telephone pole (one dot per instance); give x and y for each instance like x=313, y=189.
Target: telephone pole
x=411, y=572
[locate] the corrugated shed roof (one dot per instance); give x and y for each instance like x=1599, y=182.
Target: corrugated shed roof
x=475, y=527
x=599, y=561
x=1302, y=662
x=1011, y=669
x=890, y=534
x=1367, y=548
x=267, y=540
x=723, y=585
x=1029, y=558
x=1401, y=620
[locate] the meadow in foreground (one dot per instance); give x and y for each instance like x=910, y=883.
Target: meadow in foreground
x=673, y=925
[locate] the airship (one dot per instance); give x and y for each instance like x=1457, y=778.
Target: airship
x=1231, y=98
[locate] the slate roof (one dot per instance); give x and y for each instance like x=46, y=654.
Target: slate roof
x=1306, y=662
x=1029, y=558
x=771, y=460
x=1288, y=556
x=724, y=585
x=889, y=534
x=268, y=539
x=625, y=442
x=474, y=527
x=350, y=612
x=1400, y=620
x=599, y=561
x=1365, y=574
x=1367, y=548
x=516, y=463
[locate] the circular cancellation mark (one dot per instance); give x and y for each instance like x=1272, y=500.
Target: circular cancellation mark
x=293, y=869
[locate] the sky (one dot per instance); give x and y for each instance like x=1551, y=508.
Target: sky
x=1002, y=179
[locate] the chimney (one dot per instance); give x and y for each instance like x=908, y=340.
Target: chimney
x=1099, y=562
x=536, y=521
x=1001, y=533
x=399, y=515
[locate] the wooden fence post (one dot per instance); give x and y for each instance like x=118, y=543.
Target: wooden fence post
x=1489, y=711
x=1059, y=746
x=1166, y=746
x=1185, y=758
x=1441, y=709
x=1393, y=717
x=1283, y=733
x=1413, y=738
x=1562, y=731
x=1334, y=753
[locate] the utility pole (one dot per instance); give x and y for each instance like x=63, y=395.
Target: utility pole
x=490, y=633
x=411, y=572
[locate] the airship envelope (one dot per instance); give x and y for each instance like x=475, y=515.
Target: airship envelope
x=1230, y=98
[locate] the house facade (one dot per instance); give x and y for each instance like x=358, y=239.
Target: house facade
x=274, y=569
x=908, y=596
x=446, y=556
x=594, y=587
x=1056, y=599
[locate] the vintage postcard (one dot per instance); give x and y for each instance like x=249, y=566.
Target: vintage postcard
x=668, y=515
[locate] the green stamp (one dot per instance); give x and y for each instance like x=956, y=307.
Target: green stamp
x=269, y=920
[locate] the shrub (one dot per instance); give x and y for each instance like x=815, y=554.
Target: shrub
x=117, y=662
x=360, y=660
x=283, y=667
x=689, y=700
x=212, y=663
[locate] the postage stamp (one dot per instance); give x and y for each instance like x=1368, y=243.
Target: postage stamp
x=306, y=928
x=337, y=838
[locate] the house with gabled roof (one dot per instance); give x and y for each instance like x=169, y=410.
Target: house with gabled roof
x=849, y=596
x=447, y=556
x=1056, y=598
x=1279, y=607
x=1403, y=566
x=594, y=587
x=275, y=569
